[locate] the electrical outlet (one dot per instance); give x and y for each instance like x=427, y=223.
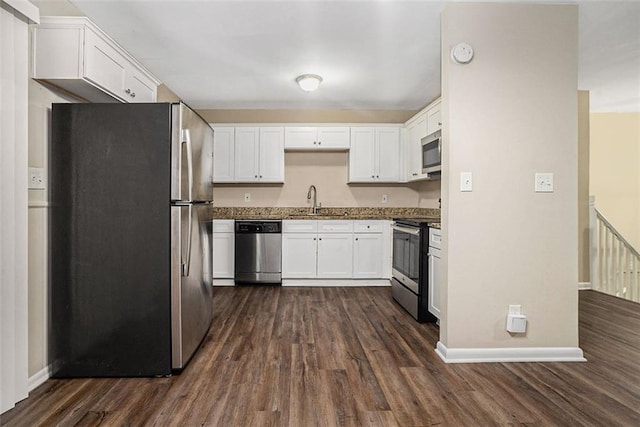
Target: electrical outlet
x=247, y=197
x=544, y=183
x=384, y=198
x=37, y=180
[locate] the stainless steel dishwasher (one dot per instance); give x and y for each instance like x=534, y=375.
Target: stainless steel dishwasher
x=258, y=253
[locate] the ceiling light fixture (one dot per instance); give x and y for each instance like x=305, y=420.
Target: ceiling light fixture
x=309, y=82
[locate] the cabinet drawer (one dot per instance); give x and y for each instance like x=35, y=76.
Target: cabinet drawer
x=435, y=238
x=335, y=226
x=223, y=226
x=365, y=226
x=299, y=226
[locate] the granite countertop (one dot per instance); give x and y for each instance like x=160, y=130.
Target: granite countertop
x=324, y=213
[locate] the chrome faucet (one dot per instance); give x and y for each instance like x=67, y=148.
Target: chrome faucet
x=315, y=194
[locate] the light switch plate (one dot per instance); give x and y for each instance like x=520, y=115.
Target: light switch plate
x=544, y=182
x=37, y=180
x=466, y=181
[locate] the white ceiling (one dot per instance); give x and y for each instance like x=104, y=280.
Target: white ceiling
x=371, y=54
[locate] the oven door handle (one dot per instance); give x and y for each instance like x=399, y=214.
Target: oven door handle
x=414, y=231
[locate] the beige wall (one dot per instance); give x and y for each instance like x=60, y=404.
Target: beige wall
x=166, y=95
x=583, y=187
x=329, y=173
x=306, y=116
x=615, y=170
x=40, y=100
x=510, y=112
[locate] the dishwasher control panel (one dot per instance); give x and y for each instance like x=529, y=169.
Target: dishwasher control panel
x=258, y=226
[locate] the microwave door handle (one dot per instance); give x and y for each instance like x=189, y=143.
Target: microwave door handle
x=440, y=147
x=413, y=231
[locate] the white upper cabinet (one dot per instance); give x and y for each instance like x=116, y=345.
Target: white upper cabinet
x=73, y=54
x=259, y=154
x=434, y=118
x=422, y=124
x=376, y=155
x=316, y=138
x=247, y=150
x=416, y=130
x=271, y=157
x=223, y=154
x=388, y=155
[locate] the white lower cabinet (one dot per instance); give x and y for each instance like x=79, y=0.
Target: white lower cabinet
x=435, y=286
x=335, y=252
x=223, y=248
x=367, y=256
x=333, y=249
x=299, y=255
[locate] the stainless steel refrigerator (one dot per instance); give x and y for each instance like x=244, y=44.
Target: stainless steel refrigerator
x=129, y=238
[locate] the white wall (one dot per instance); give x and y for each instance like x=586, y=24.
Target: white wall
x=510, y=112
x=14, y=17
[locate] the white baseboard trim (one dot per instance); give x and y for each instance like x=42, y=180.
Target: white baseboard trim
x=336, y=282
x=224, y=282
x=582, y=286
x=39, y=377
x=518, y=354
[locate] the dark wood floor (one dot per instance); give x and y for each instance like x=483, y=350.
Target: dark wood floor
x=350, y=356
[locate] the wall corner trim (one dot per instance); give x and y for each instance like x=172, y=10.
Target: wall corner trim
x=38, y=204
x=39, y=377
x=517, y=354
x=584, y=286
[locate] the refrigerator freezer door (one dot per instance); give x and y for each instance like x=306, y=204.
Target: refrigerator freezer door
x=191, y=285
x=192, y=156
x=109, y=290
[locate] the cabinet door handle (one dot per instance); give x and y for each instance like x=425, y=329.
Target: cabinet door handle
x=319, y=142
x=314, y=238
x=255, y=176
x=439, y=123
x=133, y=94
x=128, y=91
x=356, y=238
x=320, y=238
x=377, y=176
x=260, y=176
x=373, y=176
x=414, y=174
x=315, y=142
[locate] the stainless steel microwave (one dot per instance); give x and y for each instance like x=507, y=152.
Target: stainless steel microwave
x=432, y=152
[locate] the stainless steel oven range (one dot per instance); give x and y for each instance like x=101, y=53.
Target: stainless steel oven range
x=409, y=282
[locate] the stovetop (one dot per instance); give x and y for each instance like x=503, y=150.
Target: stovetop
x=417, y=222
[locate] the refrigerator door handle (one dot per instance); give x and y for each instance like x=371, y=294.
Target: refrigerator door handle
x=186, y=260
x=186, y=140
